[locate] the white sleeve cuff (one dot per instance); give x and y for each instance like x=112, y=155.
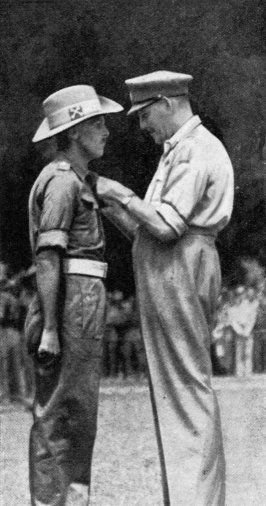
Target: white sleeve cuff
x=171, y=216
x=52, y=239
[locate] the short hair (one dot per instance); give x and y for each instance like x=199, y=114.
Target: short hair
x=180, y=100
x=62, y=140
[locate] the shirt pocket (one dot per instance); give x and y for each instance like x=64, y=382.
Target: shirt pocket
x=83, y=320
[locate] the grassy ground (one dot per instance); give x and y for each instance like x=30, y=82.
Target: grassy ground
x=126, y=468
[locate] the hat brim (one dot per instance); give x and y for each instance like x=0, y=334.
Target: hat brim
x=141, y=105
x=108, y=106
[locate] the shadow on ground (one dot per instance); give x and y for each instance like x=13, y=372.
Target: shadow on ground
x=126, y=468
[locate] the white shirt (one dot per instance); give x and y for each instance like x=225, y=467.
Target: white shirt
x=194, y=182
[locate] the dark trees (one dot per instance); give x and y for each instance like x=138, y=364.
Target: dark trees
x=45, y=45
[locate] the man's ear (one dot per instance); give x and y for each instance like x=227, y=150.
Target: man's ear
x=73, y=133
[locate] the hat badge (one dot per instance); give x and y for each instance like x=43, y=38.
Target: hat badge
x=75, y=112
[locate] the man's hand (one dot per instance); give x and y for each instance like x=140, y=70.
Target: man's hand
x=48, y=285
x=120, y=217
x=141, y=212
x=112, y=208
x=49, y=343
x=110, y=189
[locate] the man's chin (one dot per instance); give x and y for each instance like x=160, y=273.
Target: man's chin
x=97, y=154
x=156, y=138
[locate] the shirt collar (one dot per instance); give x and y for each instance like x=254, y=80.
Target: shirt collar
x=80, y=171
x=185, y=130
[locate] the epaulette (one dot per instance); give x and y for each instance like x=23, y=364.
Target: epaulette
x=60, y=165
x=63, y=165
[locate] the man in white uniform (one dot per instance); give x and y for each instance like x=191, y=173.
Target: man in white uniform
x=177, y=274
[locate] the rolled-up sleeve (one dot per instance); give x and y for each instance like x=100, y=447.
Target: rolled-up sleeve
x=57, y=212
x=184, y=189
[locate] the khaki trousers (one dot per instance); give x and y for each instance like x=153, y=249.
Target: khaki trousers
x=177, y=286
x=65, y=410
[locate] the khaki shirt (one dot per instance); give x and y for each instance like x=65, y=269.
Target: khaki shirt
x=64, y=213
x=194, y=184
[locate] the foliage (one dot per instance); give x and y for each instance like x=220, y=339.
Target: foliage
x=46, y=45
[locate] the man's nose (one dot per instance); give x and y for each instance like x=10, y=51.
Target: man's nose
x=106, y=131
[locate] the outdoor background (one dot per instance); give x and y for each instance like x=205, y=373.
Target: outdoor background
x=47, y=45
x=125, y=469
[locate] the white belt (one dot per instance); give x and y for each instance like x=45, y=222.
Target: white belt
x=85, y=267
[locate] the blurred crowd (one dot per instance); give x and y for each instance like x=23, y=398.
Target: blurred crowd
x=238, y=338
x=16, y=372
x=239, y=335
x=123, y=351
